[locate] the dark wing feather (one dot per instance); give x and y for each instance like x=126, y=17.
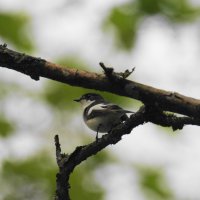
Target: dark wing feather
x=111, y=107
x=108, y=108
x=95, y=113
x=115, y=108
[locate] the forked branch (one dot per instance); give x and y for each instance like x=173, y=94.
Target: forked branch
x=156, y=103
x=67, y=163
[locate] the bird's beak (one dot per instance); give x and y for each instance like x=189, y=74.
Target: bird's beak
x=77, y=100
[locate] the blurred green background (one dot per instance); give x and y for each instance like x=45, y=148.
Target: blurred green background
x=31, y=113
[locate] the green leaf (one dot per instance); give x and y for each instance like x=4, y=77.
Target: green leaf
x=84, y=186
x=149, y=7
x=124, y=20
x=6, y=127
x=34, y=178
x=179, y=11
x=14, y=29
x=83, y=181
x=153, y=184
x=174, y=10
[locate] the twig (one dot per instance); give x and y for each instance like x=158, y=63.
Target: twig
x=62, y=177
x=108, y=71
x=58, y=150
x=112, y=75
x=164, y=119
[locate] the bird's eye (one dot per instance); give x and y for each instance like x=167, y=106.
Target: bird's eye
x=88, y=96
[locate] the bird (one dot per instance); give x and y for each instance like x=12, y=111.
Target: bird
x=100, y=115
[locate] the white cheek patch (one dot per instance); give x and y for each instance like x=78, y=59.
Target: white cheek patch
x=96, y=107
x=85, y=103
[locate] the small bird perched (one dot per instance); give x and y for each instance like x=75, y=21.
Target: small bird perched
x=99, y=115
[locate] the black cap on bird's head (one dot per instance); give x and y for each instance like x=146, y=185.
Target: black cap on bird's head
x=90, y=97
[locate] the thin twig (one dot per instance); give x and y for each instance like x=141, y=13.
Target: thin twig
x=62, y=177
x=58, y=150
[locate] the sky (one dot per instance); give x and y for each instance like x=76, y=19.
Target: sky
x=165, y=57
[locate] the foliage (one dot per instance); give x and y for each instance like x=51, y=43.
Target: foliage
x=174, y=10
x=126, y=18
x=34, y=178
x=84, y=186
x=14, y=29
x=153, y=184
x=6, y=127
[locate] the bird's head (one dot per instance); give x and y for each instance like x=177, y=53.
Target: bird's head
x=89, y=98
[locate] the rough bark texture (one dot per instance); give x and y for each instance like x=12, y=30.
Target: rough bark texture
x=156, y=102
x=37, y=67
x=67, y=163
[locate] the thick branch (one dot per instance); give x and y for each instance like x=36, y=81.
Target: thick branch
x=161, y=118
x=67, y=163
x=36, y=68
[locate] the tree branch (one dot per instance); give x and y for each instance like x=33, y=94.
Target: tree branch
x=157, y=116
x=37, y=67
x=67, y=163
x=62, y=178
x=156, y=102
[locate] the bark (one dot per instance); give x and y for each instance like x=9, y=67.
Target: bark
x=37, y=67
x=156, y=102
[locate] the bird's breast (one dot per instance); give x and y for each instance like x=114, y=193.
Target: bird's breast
x=103, y=124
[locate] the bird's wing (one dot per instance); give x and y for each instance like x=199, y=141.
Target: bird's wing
x=115, y=108
x=103, y=109
x=111, y=106
x=95, y=110
x=97, y=113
